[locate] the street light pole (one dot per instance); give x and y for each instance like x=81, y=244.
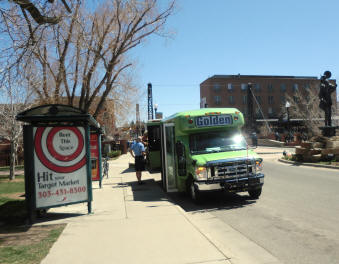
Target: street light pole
x=155, y=110
x=287, y=105
x=250, y=114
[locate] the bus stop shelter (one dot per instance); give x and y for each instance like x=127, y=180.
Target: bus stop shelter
x=57, y=156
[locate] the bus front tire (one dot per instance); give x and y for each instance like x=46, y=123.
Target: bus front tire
x=255, y=193
x=195, y=193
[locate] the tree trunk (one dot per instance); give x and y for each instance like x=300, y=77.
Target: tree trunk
x=12, y=162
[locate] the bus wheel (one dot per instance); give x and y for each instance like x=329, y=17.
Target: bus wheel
x=255, y=193
x=194, y=193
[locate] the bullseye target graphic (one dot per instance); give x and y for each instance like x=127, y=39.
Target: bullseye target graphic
x=60, y=149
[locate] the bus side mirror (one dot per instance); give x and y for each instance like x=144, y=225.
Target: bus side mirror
x=180, y=150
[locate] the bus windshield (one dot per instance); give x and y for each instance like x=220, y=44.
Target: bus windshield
x=213, y=142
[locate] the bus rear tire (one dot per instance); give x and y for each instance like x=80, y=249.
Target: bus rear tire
x=255, y=193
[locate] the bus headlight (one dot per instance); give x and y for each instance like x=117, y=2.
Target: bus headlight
x=258, y=165
x=201, y=173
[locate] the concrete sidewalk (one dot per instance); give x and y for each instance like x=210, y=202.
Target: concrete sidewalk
x=134, y=223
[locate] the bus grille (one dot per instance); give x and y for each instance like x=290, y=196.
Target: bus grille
x=239, y=168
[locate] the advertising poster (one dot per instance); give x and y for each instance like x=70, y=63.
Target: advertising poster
x=60, y=166
x=95, y=157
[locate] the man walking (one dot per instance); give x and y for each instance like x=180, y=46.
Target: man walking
x=137, y=151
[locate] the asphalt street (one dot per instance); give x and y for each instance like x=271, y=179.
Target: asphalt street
x=296, y=218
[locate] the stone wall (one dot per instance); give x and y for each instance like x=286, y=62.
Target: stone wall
x=318, y=149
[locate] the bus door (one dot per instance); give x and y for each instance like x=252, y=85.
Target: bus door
x=154, y=148
x=168, y=158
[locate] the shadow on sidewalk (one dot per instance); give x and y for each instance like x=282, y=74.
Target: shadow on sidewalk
x=214, y=201
x=46, y=217
x=149, y=191
x=128, y=170
x=152, y=191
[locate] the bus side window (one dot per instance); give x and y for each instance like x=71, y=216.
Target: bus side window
x=181, y=156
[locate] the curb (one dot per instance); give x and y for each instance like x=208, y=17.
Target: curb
x=309, y=164
x=287, y=147
x=265, y=153
x=219, y=234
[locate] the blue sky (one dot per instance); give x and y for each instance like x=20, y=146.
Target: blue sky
x=264, y=37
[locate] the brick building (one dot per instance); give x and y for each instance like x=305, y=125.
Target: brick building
x=270, y=92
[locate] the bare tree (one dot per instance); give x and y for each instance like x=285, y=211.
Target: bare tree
x=305, y=106
x=16, y=100
x=36, y=14
x=85, y=54
x=125, y=95
x=21, y=24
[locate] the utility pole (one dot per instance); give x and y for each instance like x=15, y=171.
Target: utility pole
x=137, y=118
x=250, y=114
x=150, y=101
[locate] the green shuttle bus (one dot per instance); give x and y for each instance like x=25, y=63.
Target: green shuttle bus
x=203, y=150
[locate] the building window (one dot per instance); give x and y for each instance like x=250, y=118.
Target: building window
x=230, y=87
x=282, y=87
x=270, y=110
x=295, y=88
x=270, y=88
x=296, y=99
x=244, y=99
x=307, y=86
x=270, y=99
x=216, y=87
x=257, y=113
x=282, y=100
x=257, y=87
x=217, y=100
x=243, y=87
x=231, y=99
x=203, y=102
x=258, y=99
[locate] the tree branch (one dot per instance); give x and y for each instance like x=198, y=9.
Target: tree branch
x=35, y=13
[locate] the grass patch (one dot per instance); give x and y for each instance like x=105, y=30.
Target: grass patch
x=21, y=244
x=29, y=251
x=333, y=163
x=7, y=186
x=6, y=168
x=5, y=177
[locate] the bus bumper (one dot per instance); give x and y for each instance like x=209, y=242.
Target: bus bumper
x=234, y=185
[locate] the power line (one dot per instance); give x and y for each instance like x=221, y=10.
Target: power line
x=176, y=85
x=179, y=104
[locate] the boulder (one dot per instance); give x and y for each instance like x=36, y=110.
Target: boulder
x=301, y=151
x=312, y=158
x=332, y=144
x=316, y=158
x=314, y=151
x=318, y=144
x=319, y=139
x=334, y=151
x=306, y=144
